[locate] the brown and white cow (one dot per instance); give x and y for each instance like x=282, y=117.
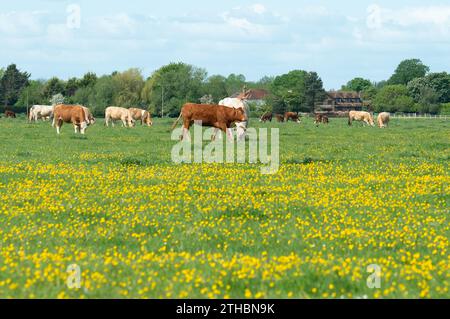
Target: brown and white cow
x=291, y=116
x=75, y=114
x=114, y=113
x=321, y=118
x=383, y=119
x=266, y=117
x=218, y=116
x=141, y=115
x=365, y=117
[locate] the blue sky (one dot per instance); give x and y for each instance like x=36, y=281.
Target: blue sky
x=338, y=39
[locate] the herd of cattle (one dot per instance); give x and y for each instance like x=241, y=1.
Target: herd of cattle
x=229, y=112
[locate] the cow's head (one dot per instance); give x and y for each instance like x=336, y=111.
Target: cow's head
x=148, y=119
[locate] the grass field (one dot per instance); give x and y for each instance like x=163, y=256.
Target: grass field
x=139, y=226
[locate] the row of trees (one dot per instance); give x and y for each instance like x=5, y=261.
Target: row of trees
x=410, y=89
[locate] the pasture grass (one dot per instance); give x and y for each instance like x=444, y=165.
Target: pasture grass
x=140, y=226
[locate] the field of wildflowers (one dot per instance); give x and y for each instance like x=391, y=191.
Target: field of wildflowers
x=139, y=226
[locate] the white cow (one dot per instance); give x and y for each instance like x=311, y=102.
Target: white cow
x=40, y=112
x=114, y=113
x=383, y=119
x=239, y=102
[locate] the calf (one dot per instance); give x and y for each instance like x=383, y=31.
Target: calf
x=266, y=117
x=321, y=118
x=218, y=116
x=74, y=114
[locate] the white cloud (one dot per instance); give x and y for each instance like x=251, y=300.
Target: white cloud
x=21, y=23
x=259, y=8
x=118, y=24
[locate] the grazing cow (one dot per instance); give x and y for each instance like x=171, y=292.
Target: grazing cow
x=291, y=116
x=114, y=113
x=321, y=118
x=10, y=114
x=90, y=117
x=75, y=114
x=40, y=112
x=280, y=118
x=364, y=117
x=217, y=116
x=383, y=119
x=239, y=103
x=266, y=117
x=141, y=115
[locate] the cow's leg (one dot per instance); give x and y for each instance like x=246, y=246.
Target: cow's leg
x=75, y=126
x=58, y=126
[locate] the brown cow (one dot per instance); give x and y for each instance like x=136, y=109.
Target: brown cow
x=280, y=118
x=266, y=117
x=291, y=116
x=10, y=114
x=321, y=118
x=218, y=116
x=74, y=114
x=141, y=115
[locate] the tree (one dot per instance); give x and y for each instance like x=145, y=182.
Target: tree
x=128, y=86
x=357, y=85
x=71, y=87
x=173, y=85
x=407, y=71
x=289, y=92
x=314, y=91
x=428, y=100
x=32, y=94
x=393, y=98
x=235, y=83
x=53, y=87
x=11, y=84
x=2, y=71
x=216, y=86
x=57, y=99
x=88, y=80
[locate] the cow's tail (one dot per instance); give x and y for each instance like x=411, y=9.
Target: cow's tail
x=176, y=122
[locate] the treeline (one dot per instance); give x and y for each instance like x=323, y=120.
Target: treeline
x=410, y=89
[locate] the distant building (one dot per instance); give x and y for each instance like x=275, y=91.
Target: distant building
x=339, y=101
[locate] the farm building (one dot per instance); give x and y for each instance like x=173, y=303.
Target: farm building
x=339, y=101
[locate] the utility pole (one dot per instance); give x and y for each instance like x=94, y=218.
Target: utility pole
x=162, y=99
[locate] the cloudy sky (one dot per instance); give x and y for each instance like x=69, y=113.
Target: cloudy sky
x=338, y=39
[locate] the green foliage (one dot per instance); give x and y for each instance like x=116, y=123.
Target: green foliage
x=128, y=86
x=32, y=94
x=358, y=85
x=289, y=92
x=445, y=109
x=12, y=83
x=52, y=87
x=438, y=82
x=407, y=71
x=314, y=91
x=216, y=86
x=171, y=86
x=393, y=98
